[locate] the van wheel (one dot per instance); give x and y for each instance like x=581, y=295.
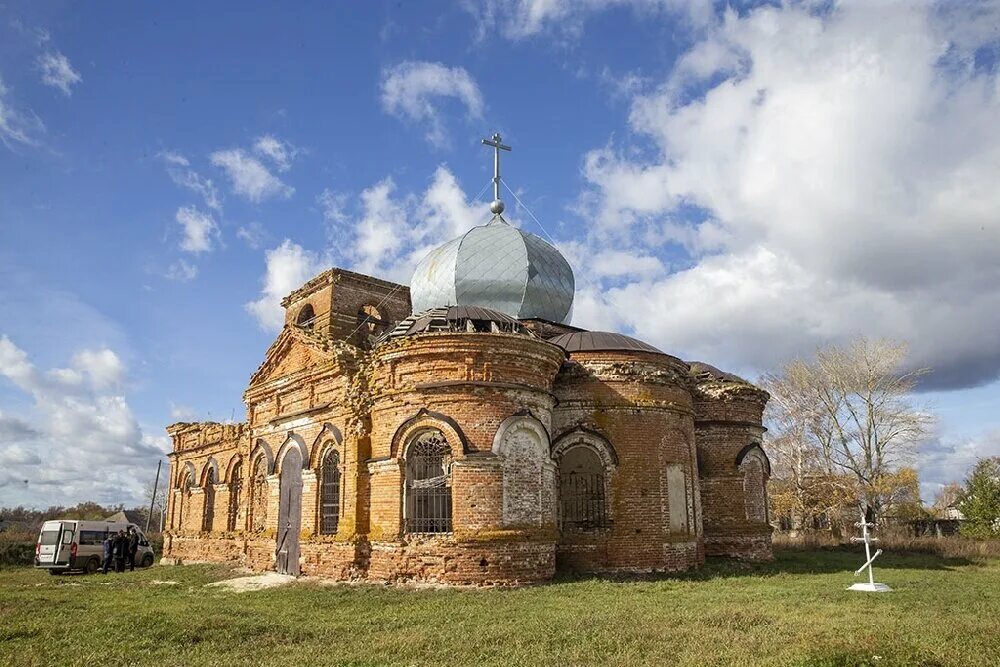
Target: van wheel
x=55, y=573
x=92, y=566
x=147, y=560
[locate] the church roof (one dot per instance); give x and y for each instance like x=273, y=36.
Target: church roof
x=703, y=372
x=499, y=267
x=593, y=341
x=457, y=319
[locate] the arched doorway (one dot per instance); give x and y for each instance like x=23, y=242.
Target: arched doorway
x=289, y=513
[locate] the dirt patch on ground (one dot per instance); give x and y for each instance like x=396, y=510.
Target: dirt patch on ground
x=255, y=583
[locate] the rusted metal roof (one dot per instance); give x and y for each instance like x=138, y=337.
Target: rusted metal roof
x=594, y=341
x=457, y=319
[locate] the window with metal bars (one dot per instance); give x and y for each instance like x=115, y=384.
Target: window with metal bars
x=428, y=484
x=330, y=493
x=582, y=497
x=235, y=489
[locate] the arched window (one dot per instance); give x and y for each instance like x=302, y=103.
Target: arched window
x=208, y=515
x=235, y=489
x=370, y=319
x=306, y=317
x=428, y=484
x=754, y=467
x=184, y=501
x=258, y=496
x=330, y=493
x=582, y=486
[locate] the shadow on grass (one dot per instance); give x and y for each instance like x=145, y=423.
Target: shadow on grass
x=827, y=560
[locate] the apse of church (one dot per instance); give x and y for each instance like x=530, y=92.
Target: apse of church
x=476, y=437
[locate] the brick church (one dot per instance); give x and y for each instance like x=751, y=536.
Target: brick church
x=460, y=430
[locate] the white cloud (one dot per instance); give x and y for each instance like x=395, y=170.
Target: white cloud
x=281, y=153
x=414, y=89
x=826, y=172
x=17, y=127
x=380, y=232
x=288, y=267
x=249, y=176
x=178, y=168
x=520, y=19
x=182, y=271
x=104, y=368
x=390, y=233
x=253, y=234
x=80, y=414
x=182, y=413
x=58, y=72
x=199, y=230
x=945, y=459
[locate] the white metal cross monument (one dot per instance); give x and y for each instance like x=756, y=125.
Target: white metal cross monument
x=871, y=586
x=497, y=206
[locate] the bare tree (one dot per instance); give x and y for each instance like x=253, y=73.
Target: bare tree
x=847, y=418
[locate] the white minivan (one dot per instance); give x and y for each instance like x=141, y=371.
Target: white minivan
x=79, y=545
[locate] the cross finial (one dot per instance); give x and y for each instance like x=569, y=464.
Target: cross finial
x=496, y=142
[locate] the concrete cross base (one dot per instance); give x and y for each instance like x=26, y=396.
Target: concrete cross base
x=869, y=588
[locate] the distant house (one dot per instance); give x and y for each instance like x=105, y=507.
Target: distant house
x=130, y=517
x=951, y=513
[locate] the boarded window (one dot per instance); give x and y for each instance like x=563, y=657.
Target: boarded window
x=677, y=498
x=235, y=490
x=754, y=487
x=208, y=516
x=428, y=484
x=330, y=494
x=582, y=490
x=258, y=496
x=185, y=501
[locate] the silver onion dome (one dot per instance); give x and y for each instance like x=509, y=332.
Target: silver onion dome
x=500, y=267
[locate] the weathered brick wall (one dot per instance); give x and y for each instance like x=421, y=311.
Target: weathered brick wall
x=198, y=448
x=466, y=385
x=728, y=420
x=337, y=296
x=505, y=403
x=447, y=560
x=639, y=402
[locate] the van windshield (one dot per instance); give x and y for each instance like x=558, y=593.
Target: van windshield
x=49, y=537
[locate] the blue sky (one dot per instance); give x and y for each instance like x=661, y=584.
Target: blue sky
x=733, y=184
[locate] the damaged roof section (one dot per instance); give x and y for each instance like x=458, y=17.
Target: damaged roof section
x=454, y=319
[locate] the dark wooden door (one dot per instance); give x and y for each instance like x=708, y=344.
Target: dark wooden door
x=290, y=513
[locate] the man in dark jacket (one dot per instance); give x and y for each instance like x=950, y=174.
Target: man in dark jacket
x=133, y=547
x=121, y=551
x=109, y=549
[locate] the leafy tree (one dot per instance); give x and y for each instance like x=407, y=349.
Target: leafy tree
x=981, y=501
x=843, y=429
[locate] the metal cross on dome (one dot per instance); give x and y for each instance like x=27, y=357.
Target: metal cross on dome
x=497, y=143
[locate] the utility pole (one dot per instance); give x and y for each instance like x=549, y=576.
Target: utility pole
x=152, y=501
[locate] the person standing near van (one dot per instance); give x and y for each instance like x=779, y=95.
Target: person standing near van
x=109, y=550
x=121, y=549
x=133, y=547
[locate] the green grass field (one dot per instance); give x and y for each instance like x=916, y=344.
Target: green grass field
x=795, y=611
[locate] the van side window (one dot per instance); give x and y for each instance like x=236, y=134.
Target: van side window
x=91, y=537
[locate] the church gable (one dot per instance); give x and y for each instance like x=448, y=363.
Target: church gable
x=290, y=354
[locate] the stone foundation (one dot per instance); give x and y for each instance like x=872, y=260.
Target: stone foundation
x=443, y=560
x=756, y=548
